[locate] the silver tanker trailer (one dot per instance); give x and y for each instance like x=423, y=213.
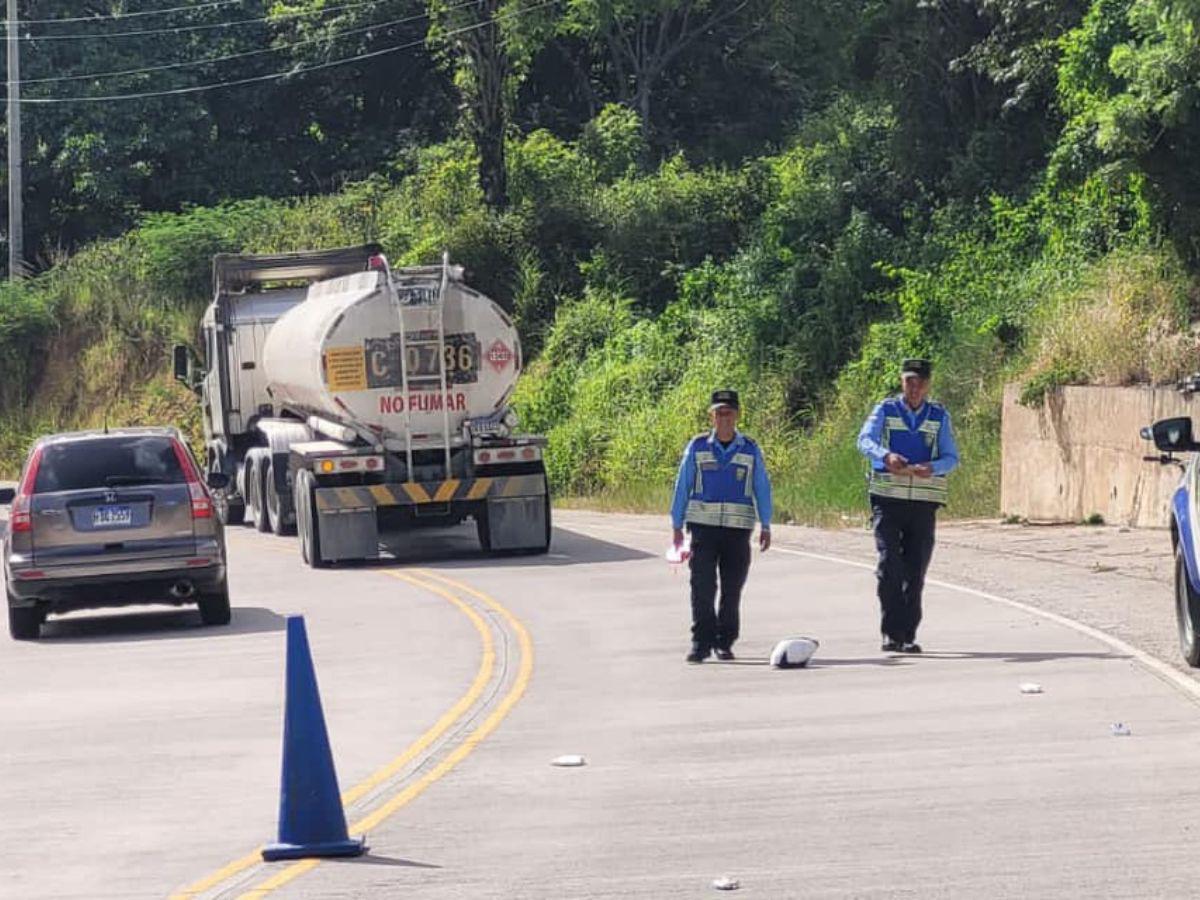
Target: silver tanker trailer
x=344, y=399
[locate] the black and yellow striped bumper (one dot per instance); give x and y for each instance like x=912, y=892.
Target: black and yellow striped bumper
x=345, y=499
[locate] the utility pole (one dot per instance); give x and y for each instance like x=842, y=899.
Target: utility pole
x=16, y=231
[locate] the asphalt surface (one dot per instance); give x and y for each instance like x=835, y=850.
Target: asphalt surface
x=140, y=751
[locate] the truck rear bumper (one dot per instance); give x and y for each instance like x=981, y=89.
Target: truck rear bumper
x=460, y=493
x=513, y=511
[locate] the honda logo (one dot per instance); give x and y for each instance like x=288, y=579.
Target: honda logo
x=110, y=496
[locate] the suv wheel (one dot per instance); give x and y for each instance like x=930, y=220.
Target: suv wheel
x=25, y=622
x=1187, y=610
x=214, y=607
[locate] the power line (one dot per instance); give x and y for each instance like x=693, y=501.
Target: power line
x=211, y=26
x=300, y=70
x=87, y=76
x=212, y=4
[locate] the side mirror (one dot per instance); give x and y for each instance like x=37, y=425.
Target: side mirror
x=1172, y=435
x=7, y=495
x=185, y=370
x=183, y=364
x=218, y=481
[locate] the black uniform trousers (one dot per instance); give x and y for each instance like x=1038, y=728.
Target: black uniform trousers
x=904, y=533
x=727, y=551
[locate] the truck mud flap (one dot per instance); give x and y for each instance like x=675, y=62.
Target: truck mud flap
x=517, y=523
x=348, y=533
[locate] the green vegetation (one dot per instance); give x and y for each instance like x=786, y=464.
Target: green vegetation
x=781, y=202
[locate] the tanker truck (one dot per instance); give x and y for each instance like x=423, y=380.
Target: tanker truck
x=345, y=399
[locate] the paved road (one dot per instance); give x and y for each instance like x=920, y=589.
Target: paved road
x=140, y=752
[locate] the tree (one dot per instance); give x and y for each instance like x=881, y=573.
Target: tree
x=644, y=37
x=489, y=44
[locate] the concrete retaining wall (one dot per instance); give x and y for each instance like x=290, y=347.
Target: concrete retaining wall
x=1080, y=453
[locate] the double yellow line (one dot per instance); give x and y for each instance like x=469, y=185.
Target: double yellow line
x=443, y=587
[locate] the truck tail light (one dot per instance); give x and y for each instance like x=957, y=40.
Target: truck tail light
x=201, y=502
x=348, y=464
x=21, y=518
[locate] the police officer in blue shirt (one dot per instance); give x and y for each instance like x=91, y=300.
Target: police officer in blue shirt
x=721, y=490
x=910, y=445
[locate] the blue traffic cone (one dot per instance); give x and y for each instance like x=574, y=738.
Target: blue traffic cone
x=311, y=820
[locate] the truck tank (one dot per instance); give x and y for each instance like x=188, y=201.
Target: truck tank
x=337, y=354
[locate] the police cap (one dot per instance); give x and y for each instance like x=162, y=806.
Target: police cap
x=724, y=398
x=922, y=368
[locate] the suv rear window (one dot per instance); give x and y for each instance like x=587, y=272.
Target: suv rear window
x=108, y=462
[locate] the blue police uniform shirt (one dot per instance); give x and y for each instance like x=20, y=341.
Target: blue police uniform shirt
x=686, y=479
x=870, y=439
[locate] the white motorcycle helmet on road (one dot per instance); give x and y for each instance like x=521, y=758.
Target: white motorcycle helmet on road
x=794, y=653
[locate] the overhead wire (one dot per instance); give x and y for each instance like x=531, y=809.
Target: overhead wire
x=137, y=14
x=207, y=26
x=144, y=70
x=290, y=73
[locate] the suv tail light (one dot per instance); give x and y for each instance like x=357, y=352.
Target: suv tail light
x=201, y=502
x=21, y=518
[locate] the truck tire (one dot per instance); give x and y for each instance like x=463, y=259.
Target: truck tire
x=1187, y=610
x=25, y=622
x=256, y=498
x=214, y=607
x=277, y=512
x=307, y=522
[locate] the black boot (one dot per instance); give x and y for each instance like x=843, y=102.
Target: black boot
x=699, y=653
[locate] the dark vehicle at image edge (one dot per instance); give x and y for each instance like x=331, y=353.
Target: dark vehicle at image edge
x=112, y=519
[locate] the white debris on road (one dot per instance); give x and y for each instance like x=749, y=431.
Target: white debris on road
x=569, y=761
x=725, y=883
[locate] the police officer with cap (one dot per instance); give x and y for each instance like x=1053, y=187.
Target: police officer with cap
x=721, y=490
x=910, y=445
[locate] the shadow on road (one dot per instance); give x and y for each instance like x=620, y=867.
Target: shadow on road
x=815, y=663
x=1016, y=657
x=459, y=546
x=176, y=624
x=373, y=859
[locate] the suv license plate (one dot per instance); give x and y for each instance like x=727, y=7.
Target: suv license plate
x=112, y=516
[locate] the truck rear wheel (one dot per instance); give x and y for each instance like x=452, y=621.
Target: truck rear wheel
x=256, y=493
x=307, y=521
x=277, y=514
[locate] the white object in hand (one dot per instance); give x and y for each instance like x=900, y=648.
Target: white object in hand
x=680, y=554
x=725, y=883
x=571, y=760
x=1031, y=687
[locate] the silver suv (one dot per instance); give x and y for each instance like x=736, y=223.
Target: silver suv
x=111, y=519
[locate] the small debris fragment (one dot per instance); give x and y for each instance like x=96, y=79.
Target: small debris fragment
x=725, y=883
x=569, y=761
x=1031, y=687
x=1120, y=729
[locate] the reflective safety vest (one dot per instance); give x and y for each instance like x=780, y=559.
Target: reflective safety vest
x=917, y=444
x=723, y=492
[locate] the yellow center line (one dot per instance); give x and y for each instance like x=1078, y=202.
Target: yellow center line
x=482, y=677
x=461, y=752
